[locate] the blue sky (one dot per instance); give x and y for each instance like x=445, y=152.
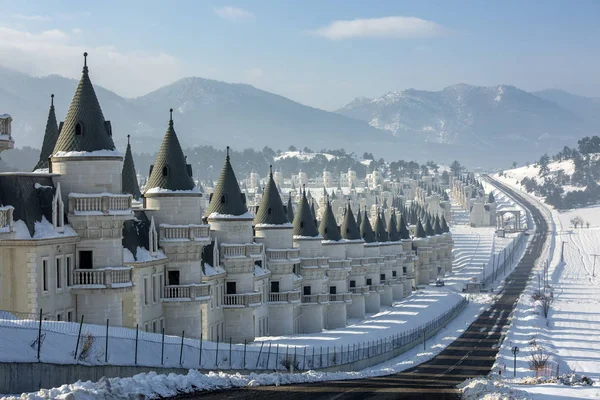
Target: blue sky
x=320, y=53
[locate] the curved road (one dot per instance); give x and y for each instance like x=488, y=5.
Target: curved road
x=472, y=354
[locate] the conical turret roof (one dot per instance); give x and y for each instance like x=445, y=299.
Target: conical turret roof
x=290, y=209
x=328, y=227
x=304, y=224
x=393, y=234
x=402, y=229
x=170, y=170
x=437, y=228
x=271, y=209
x=358, y=217
x=428, y=227
x=380, y=232
x=420, y=232
x=313, y=212
x=227, y=198
x=366, y=230
x=129, y=182
x=444, y=225
x=84, y=128
x=50, y=137
x=349, y=229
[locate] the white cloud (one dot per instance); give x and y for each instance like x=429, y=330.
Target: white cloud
x=30, y=17
x=59, y=52
x=231, y=13
x=386, y=27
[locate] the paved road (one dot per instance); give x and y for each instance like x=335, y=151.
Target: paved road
x=472, y=354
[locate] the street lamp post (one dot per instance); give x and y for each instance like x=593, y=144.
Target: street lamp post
x=515, y=351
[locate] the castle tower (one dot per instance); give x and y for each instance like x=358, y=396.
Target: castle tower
x=50, y=138
x=373, y=301
x=274, y=231
x=246, y=288
x=386, y=260
x=129, y=181
x=313, y=269
x=421, y=243
x=339, y=267
x=355, y=250
x=394, y=257
x=6, y=139
x=88, y=171
x=408, y=266
x=173, y=200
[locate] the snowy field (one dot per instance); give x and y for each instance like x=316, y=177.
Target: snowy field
x=571, y=333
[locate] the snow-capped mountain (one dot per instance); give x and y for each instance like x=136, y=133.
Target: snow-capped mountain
x=483, y=117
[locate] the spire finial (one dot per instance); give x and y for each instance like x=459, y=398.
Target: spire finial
x=227, y=153
x=85, y=68
x=304, y=189
x=128, y=136
x=52, y=100
x=270, y=170
x=170, y=115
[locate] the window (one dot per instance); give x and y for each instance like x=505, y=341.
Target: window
x=382, y=277
x=79, y=129
x=306, y=290
x=332, y=290
x=86, y=259
x=58, y=273
x=369, y=281
x=393, y=274
x=352, y=283
x=223, y=200
x=154, y=325
x=45, y=275
x=146, y=297
x=154, y=288
x=274, y=286
x=165, y=171
x=70, y=316
x=58, y=211
x=404, y=270
x=161, y=323
x=147, y=327
x=59, y=316
x=173, y=278
x=231, y=287
x=69, y=261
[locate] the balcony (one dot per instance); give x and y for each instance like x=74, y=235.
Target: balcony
x=376, y=288
x=100, y=204
x=6, y=219
x=253, y=250
x=321, y=298
x=242, y=300
x=285, y=297
x=390, y=282
x=359, y=290
x=340, y=298
x=315, y=262
x=282, y=255
x=184, y=233
x=339, y=264
x=186, y=293
x=102, y=278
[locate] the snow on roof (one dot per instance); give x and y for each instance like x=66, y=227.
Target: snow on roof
x=209, y=270
x=246, y=215
x=97, y=153
x=195, y=190
x=259, y=271
x=43, y=230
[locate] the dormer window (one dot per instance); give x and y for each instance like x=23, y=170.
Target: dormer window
x=165, y=171
x=223, y=199
x=269, y=211
x=79, y=129
x=152, y=238
x=58, y=211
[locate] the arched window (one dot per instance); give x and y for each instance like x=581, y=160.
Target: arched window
x=223, y=200
x=301, y=224
x=79, y=129
x=165, y=171
x=269, y=211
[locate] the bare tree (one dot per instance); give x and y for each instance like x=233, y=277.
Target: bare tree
x=538, y=358
x=577, y=221
x=545, y=303
x=587, y=224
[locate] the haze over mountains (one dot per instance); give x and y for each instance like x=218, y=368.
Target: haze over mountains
x=481, y=126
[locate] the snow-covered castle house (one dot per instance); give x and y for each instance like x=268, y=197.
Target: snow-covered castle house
x=79, y=239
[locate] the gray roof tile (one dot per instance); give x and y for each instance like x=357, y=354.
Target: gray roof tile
x=227, y=198
x=270, y=210
x=50, y=137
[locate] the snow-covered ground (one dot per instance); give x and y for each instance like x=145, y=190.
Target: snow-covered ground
x=571, y=333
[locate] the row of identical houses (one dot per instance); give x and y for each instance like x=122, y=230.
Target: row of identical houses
x=76, y=243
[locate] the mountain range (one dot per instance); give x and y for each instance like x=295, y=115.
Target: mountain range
x=480, y=126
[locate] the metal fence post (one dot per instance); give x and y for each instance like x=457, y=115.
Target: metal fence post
x=200, y=356
x=217, y=353
x=39, y=344
x=162, y=347
x=259, y=352
x=106, y=345
x=181, y=348
x=78, y=336
x=269, y=355
x=137, y=332
x=244, y=364
x=304, y=359
x=230, y=361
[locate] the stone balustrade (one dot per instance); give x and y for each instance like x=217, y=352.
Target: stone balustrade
x=285, y=297
x=320, y=298
x=252, y=250
x=340, y=297
x=242, y=300
x=6, y=219
x=376, y=288
x=339, y=263
x=359, y=289
x=102, y=278
x=315, y=262
x=186, y=292
x=100, y=204
x=282, y=254
x=184, y=233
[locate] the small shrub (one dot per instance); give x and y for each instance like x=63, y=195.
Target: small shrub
x=538, y=358
x=288, y=363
